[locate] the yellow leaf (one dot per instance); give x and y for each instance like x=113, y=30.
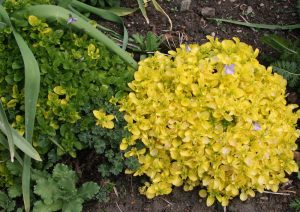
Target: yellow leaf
x=59, y=90
x=33, y=20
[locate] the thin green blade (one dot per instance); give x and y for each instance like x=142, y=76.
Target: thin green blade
x=32, y=88
x=3, y=141
x=260, y=26
x=21, y=143
x=121, y=11
x=278, y=43
x=160, y=9
x=10, y=140
x=143, y=10
x=105, y=15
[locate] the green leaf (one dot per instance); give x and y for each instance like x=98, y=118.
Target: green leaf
x=26, y=182
x=47, y=189
x=88, y=190
x=32, y=87
x=6, y=203
x=7, y=132
x=21, y=143
x=59, y=13
x=160, y=9
x=143, y=10
x=121, y=11
x=15, y=190
x=260, y=26
x=39, y=206
x=74, y=205
x=278, y=43
x=105, y=14
x=289, y=70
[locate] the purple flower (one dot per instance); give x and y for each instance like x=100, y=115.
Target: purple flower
x=71, y=20
x=187, y=48
x=229, y=69
x=256, y=126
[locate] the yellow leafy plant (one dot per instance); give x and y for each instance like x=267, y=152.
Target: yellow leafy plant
x=104, y=120
x=212, y=116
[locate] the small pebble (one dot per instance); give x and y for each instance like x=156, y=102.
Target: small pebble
x=208, y=12
x=185, y=5
x=249, y=10
x=262, y=4
x=264, y=198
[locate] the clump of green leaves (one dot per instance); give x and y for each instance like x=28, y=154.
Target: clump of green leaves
x=78, y=75
x=149, y=43
x=59, y=192
x=6, y=203
x=288, y=63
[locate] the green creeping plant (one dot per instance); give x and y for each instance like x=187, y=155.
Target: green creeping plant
x=288, y=62
x=58, y=192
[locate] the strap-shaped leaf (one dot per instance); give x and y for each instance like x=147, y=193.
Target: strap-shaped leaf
x=143, y=10
x=32, y=87
x=261, y=26
x=160, y=9
x=278, y=43
x=8, y=133
x=105, y=15
x=121, y=11
x=3, y=141
x=21, y=143
x=59, y=13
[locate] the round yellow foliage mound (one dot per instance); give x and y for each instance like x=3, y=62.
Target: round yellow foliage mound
x=210, y=116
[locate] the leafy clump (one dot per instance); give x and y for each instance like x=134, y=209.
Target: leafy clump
x=210, y=115
x=6, y=204
x=78, y=75
x=59, y=192
x=288, y=63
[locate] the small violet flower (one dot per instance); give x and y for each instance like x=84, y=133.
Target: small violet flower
x=187, y=48
x=71, y=20
x=229, y=69
x=256, y=126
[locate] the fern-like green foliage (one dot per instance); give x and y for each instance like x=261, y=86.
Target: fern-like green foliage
x=6, y=204
x=296, y=205
x=288, y=63
x=58, y=192
x=288, y=70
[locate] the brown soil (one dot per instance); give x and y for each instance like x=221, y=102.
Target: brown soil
x=126, y=197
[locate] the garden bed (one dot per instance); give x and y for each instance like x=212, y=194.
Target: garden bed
x=79, y=122
x=195, y=27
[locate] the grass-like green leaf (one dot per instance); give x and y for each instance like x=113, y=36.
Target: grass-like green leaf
x=121, y=11
x=143, y=10
x=278, y=43
x=260, y=26
x=105, y=14
x=22, y=144
x=3, y=141
x=160, y=9
x=59, y=13
x=4, y=122
x=32, y=88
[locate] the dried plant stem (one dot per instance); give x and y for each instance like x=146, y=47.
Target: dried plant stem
x=277, y=193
